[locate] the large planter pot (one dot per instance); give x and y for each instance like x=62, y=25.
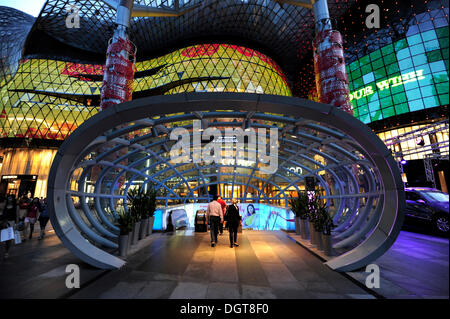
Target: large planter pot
x=327, y=245
x=297, y=226
x=136, y=229
x=143, y=229
x=319, y=242
x=303, y=228
x=123, y=245
x=131, y=236
x=151, y=220
x=312, y=238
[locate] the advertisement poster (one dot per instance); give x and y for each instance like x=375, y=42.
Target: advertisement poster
x=254, y=216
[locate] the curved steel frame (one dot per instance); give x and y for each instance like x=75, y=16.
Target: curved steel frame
x=353, y=167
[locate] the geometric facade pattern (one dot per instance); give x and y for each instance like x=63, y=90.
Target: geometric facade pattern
x=275, y=29
x=14, y=28
x=48, y=99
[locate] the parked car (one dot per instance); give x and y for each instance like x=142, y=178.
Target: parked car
x=430, y=205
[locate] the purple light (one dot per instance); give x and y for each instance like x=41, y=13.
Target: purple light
x=403, y=161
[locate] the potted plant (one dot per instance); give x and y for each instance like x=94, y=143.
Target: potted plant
x=323, y=225
x=144, y=225
x=299, y=206
x=125, y=224
x=312, y=218
x=148, y=206
x=135, y=209
x=328, y=225
x=151, y=207
x=321, y=221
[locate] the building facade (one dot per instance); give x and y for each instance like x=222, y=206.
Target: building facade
x=51, y=75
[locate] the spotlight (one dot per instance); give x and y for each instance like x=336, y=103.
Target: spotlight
x=403, y=161
x=420, y=141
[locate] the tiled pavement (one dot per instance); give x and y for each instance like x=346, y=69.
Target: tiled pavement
x=184, y=265
x=265, y=265
x=416, y=266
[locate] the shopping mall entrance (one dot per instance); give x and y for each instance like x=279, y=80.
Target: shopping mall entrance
x=18, y=185
x=178, y=144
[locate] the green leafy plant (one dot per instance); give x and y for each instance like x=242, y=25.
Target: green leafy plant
x=299, y=205
x=322, y=220
x=142, y=204
x=149, y=201
x=125, y=221
x=135, y=204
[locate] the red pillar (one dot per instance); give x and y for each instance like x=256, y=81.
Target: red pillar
x=329, y=63
x=120, y=61
x=329, y=67
x=119, y=73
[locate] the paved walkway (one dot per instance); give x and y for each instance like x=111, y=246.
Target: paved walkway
x=415, y=267
x=184, y=265
x=265, y=265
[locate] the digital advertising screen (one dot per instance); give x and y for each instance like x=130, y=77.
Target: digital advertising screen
x=254, y=216
x=408, y=75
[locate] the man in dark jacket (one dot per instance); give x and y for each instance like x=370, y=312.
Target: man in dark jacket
x=233, y=219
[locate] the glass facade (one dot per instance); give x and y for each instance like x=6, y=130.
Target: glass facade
x=417, y=141
x=48, y=99
x=408, y=75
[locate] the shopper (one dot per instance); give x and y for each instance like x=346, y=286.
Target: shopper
x=9, y=219
x=233, y=220
x=10, y=211
x=43, y=218
x=2, y=203
x=33, y=211
x=24, y=201
x=169, y=227
x=214, y=214
x=224, y=207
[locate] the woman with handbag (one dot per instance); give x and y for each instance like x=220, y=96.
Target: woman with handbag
x=8, y=219
x=43, y=218
x=33, y=210
x=233, y=220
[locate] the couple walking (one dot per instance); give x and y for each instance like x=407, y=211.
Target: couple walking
x=217, y=215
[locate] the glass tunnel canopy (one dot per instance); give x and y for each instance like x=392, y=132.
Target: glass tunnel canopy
x=130, y=144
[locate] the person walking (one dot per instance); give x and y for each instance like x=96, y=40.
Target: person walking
x=214, y=214
x=9, y=219
x=43, y=218
x=233, y=220
x=24, y=201
x=2, y=203
x=169, y=227
x=224, y=207
x=33, y=210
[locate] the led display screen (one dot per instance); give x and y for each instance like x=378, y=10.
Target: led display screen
x=254, y=216
x=408, y=75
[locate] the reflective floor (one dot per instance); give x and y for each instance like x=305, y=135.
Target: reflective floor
x=184, y=265
x=265, y=265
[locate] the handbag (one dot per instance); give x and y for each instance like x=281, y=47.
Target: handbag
x=21, y=226
x=7, y=234
x=17, y=238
